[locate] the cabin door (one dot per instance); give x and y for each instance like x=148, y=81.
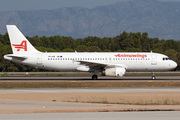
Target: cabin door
x=153, y=59
x=39, y=59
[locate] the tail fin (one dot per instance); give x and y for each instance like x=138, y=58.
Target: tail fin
x=19, y=42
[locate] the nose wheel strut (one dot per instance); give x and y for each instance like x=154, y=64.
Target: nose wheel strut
x=153, y=77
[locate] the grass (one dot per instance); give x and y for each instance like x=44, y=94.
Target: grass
x=4, y=75
x=69, y=84
x=103, y=100
x=88, y=74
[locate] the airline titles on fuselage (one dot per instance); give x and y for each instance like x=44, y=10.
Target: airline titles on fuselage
x=131, y=55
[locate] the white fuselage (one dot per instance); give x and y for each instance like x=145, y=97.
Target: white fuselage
x=109, y=64
x=135, y=61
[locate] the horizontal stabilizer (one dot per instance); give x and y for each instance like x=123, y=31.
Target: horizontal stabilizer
x=15, y=56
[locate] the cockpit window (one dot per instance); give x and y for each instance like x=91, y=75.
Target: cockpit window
x=166, y=59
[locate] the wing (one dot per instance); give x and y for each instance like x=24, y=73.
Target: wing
x=99, y=65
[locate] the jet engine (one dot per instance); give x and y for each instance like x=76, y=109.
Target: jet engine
x=114, y=72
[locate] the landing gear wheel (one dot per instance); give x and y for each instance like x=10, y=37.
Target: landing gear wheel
x=94, y=77
x=153, y=78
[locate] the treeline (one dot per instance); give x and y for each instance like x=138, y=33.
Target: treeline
x=125, y=42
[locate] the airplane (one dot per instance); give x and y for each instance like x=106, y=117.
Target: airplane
x=114, y=64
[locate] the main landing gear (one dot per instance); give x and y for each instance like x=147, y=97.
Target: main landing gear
x=94, y=77
x=153, y=76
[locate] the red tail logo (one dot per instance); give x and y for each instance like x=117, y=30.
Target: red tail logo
x=23, y=45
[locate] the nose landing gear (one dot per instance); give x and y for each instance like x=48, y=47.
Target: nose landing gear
x=153, y=76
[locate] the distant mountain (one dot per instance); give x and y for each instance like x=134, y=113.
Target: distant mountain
x=158, y=19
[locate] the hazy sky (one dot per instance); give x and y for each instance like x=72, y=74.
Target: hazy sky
x=20, y=5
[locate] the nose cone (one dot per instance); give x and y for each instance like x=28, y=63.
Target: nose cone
x=173, y=64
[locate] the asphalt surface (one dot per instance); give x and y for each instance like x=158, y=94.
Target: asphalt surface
x=126, y=78
x=66, y=90
x=163, y=115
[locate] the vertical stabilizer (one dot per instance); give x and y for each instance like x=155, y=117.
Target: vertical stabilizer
x=19, y=42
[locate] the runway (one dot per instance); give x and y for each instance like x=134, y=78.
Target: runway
x=75, y=104
x=164, y=115
x=59, y=103
x=126, y=78
x=86, y=90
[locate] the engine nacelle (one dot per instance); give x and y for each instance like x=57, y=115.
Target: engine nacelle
x=114, y=72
